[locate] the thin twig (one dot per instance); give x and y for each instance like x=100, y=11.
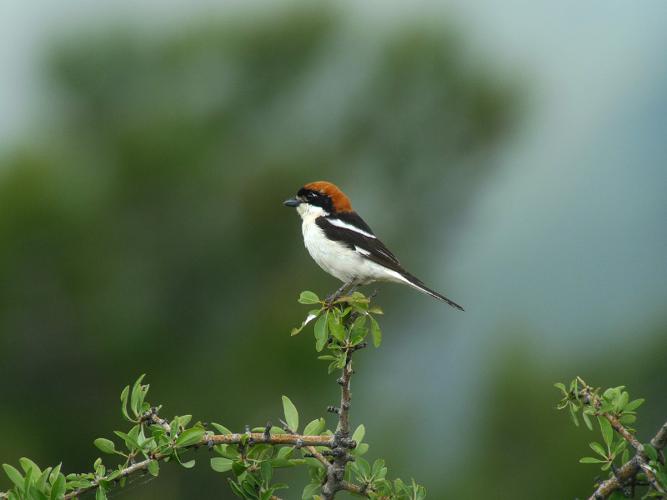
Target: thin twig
x=215, y=439
x=626, y=474
x=336, y=471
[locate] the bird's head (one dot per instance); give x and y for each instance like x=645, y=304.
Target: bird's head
x=319, y=198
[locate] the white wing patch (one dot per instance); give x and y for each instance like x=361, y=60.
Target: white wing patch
x=361, y=250
x=345, y=225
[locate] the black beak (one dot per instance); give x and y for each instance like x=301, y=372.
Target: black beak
x=292, y=202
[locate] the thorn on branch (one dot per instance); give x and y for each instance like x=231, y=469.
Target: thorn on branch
x=267, y=431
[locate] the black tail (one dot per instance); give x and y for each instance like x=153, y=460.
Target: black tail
x=417, y=284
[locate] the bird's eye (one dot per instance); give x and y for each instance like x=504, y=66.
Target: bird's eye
x=312, y=195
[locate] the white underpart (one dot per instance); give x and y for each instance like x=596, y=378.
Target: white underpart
x=349, y=266
x=345, y=225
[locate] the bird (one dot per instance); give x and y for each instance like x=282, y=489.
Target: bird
x=344, y=246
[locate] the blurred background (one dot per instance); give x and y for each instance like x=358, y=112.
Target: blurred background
x=513, y=156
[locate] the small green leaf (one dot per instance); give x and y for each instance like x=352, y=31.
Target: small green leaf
x=620, y=446
x=28, y=464
x=266, y=472
x=376, y=333
x=123, y=403
x=591, y=460
x=154, y=468
x=221, y=428
x=189, y=437
x=587, y=420
x=315, y=427
x=310, y=491
x=291, y=414
x=561, y=386
x=220, y=464
x=359, y=434
x=14, y=475
x=105, y=445
x=58, y=488
x=137, y=396
x=100, y=493
x=358, y=331
x=633, y=405
x=308, y=297
x=598, y=448
x=651, y=452
x=361, y=449
x=321, y=334
x=336, y=328
x=607, y=431
x=627, y=419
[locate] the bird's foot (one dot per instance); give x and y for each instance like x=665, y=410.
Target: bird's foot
x=342, y=291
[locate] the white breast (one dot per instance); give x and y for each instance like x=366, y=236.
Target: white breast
x=332, y=256
x=337, y=259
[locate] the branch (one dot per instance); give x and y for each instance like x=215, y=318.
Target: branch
x=208, y=440
x=336, y=470
x=627, y=473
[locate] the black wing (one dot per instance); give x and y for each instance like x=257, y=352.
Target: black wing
x=353, y=219
x=367, y=246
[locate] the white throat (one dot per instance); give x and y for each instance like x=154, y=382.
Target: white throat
x=310, y=212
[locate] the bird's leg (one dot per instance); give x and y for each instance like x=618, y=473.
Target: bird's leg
x=340, y=292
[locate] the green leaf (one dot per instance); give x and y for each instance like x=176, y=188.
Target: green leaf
x=321, y=333
x=58, y=488
x=100, y=494
x=308, y=297
x=315, y=427
x=105, y=445
x=598, y=448
x=221, y=428
x=591, y=460
x=620, y=446
x=607, y=431
x=291, y=414
x=220, y=464
x=359, y=434
x=627, y=419
x=136, y=397
x=358, y=331
x=561, y=386
x=154, y=468
x=376, y=333
x=633, y=405
x=310, y=491
x=587, y=420
x=651, y=452
x=361, y=449
x=14, y=475
x=189, y=437
x=336, y=328
x=123, y=403
x=266, y=472
x=27, y=464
